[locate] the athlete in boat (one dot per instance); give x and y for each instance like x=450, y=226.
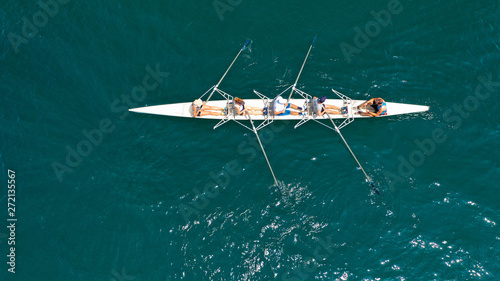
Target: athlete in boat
x=321, y=108
x=378, y=105
x=282, y=107
x=201, y=109
x=242, y=109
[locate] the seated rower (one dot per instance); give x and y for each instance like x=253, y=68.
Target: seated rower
x=321, y=108
x=242, y=109
x=200, y=108
x=378, y=105
x=282, y=107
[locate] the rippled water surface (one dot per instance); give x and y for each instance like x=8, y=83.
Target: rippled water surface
x=102, y=194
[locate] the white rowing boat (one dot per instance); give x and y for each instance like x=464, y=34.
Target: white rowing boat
x=308, y=113
x=184, y=109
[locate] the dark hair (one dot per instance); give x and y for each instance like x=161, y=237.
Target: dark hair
x=322, y=99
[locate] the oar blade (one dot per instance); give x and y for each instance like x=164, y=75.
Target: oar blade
x=246, y=43
x=374, y=188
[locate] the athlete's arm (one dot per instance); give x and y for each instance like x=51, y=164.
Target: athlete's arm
x=366, y=102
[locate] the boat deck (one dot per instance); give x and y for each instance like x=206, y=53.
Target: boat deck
x=185, y=110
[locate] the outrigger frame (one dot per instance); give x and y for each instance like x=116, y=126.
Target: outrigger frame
x=231, y=112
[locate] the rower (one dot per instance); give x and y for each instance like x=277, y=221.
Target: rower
x=241, y=109
x=282, y=107
x=201, y=109
x=321, y=108
x=378, y=104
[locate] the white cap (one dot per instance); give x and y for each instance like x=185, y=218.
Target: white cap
x=197, y=102
x=281, y=100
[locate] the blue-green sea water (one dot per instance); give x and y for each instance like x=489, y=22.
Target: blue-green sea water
x=101, y=194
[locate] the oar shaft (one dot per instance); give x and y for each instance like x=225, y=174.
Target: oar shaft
x=262, y=147
x=227, y=70
x=352, y=153
x=300, y=72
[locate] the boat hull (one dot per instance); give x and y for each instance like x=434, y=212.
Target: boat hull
x=185, y=109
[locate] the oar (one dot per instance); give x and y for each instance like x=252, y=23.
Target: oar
x=367, y=177
x=304, y=63
x=263, y=151
x=216, y=86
